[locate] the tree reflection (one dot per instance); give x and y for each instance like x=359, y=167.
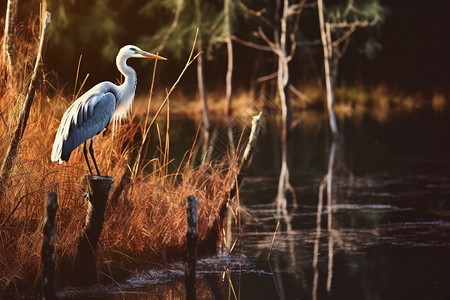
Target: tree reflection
x=326, y=183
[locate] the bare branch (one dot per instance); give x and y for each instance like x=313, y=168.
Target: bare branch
x=267, y=77
x=311, y=43
x=272, y=46
x=299, y=94
x=250, y=44
x=259, y=14
x=348, y=9
x=172, y=26
x=345, y=24
x=344, y=36
x=296, y=9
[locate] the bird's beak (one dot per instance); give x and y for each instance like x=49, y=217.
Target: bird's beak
x=151, y=55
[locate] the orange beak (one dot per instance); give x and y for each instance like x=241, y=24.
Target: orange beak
x=151, y=55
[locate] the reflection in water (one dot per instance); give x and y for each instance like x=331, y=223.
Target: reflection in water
x=327, y=182
x=146, y=289
x=331, y=233
x=377, y=188
x=287, y=244
x=387, y=207
x=317, y=238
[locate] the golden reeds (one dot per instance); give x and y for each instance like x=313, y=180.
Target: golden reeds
x=144, y=227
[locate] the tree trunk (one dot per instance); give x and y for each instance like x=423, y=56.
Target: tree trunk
x=326, y=45
x=202, y=93
x=330, y=214
x=201, y=83
x=8, y=37
x=229, y=78
x=229, y=75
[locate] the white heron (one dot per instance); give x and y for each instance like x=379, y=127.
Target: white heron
x=92, y=112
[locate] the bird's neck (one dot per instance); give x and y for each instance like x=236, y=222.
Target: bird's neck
x=126, y=90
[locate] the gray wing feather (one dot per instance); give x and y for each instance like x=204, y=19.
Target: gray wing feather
x=85, y=118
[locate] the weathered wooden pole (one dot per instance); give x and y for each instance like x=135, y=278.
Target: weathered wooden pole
x=98, y=189
x=192, y=241
x=48, y=248
x=213, y=234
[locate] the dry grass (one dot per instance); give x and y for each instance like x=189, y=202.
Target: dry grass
x=144, y=227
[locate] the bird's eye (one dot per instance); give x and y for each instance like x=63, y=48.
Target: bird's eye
x=133, y=49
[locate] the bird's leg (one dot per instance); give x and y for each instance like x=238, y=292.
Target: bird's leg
x=85, y=157
x=91, y=151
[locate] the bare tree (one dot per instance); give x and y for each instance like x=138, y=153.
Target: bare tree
x=229, y=75
x=326, y=43
x=283, y=45
x=284, y=55
x=282, y=81
x=201, y=82
x=8, y=37
x=336, y=28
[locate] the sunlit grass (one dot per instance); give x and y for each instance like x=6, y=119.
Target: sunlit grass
x=145, y=226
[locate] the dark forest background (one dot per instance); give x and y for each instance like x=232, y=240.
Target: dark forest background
x=409, y=49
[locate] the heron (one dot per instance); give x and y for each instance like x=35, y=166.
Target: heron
x=88, y=115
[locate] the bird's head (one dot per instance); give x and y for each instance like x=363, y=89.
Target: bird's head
x=129, y=51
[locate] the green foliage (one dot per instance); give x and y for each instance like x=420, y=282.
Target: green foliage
x=77, y=22
x=371, y=47
x=176, y=26
x=356, y=11
x=178, y=21
x=367, y=14
x=92, y=27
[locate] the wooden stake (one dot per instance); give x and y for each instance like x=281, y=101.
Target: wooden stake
x=98, y=189
x=192, y=241
x=48, y=248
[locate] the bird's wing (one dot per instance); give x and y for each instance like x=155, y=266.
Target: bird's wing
x=79, y=111
x=84, y=118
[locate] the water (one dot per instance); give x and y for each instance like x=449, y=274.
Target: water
x=383, y=234
x=387, y=233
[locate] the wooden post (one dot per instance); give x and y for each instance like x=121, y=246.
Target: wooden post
x=98, y=189
x=48, y=248
x=192, y=241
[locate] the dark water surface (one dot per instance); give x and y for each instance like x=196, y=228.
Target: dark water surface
x=383, y=234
